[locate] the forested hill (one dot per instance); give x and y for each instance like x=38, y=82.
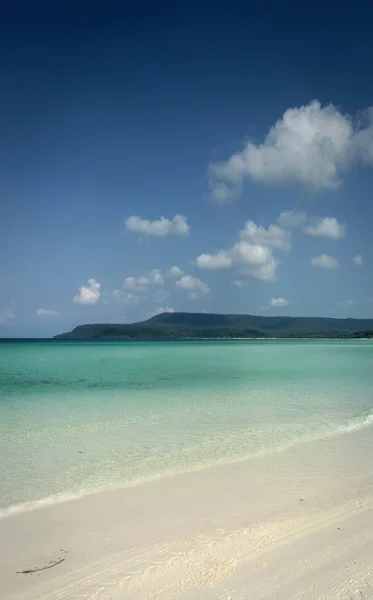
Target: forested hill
x=168, y=326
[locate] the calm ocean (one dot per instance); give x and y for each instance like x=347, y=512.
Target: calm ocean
x=78, y=417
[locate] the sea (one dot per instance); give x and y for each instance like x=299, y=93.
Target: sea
x=81, y=417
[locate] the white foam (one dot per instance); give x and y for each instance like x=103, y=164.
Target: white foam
x=330, y=430
x=357, y=423
x=15, y=509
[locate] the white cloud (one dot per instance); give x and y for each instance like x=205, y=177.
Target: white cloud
x=312, y=145
x=45, y=312
x=358, y=260
x=163, y=309
x=252, y=253
x=141, y=282
x=174, y=272
x=135, y=283
x=328, y=227
x=273, y=237
x=193, y=284
x=291, y=219
x=325, y=262
x=278, y=302
x=159, y=227
x=254, y=260
x=88, y=294
x=219, y=260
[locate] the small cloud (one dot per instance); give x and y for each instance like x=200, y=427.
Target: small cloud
x=192, y=284
x=141, y=282
x=291, y=219
x=175, y=272
x=273, y=237
x=254, y=260
x=219, y=260
x=192, y=296
x=328, y=227
x=158, y=228
x=325, y=262
x=163, y=309
x=358, y=260
x=252, y=253
x=278, y=302
x=45, y=312
x=88, y=294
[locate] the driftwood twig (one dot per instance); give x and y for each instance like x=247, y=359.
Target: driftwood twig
x=40, y=568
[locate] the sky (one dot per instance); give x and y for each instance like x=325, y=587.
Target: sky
x=184, y=156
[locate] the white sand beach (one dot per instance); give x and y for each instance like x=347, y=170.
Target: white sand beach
x=297, y=524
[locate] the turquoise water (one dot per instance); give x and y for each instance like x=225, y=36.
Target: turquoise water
x=78, y=417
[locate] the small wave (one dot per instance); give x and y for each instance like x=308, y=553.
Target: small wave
x=356, y=423
x=330, y=430
x=30, y=505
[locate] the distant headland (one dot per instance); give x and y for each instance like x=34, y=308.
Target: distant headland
x=181, y=325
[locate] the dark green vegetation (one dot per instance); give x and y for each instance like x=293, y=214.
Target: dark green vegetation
x=359, y=335
x=176, y=326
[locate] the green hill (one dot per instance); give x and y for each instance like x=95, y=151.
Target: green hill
x=172, y=326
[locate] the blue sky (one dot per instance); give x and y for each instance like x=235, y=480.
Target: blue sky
x=228, y=140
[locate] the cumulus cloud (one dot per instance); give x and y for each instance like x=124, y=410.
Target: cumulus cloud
x=328, y=227
x=175, y=272
x=159, y=227
x=273, y=237
x=252, y=253
x=312, y=145
x=291, y=219
x=358, y=260
x=89, y=294
x=141, y=282
x=192, y=284
x=156, y=277
x=45, y=312
x=163, y=309
x=325, y=262
x=278, y=303
x=254, y=260
x=219, y=260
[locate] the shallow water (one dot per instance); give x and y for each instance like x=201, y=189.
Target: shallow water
x=78, y=417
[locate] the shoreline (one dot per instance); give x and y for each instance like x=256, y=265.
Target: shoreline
x=210, y=339
x=67, y=496
x=198, y=533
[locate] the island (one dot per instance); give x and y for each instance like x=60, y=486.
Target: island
x=184, y=326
